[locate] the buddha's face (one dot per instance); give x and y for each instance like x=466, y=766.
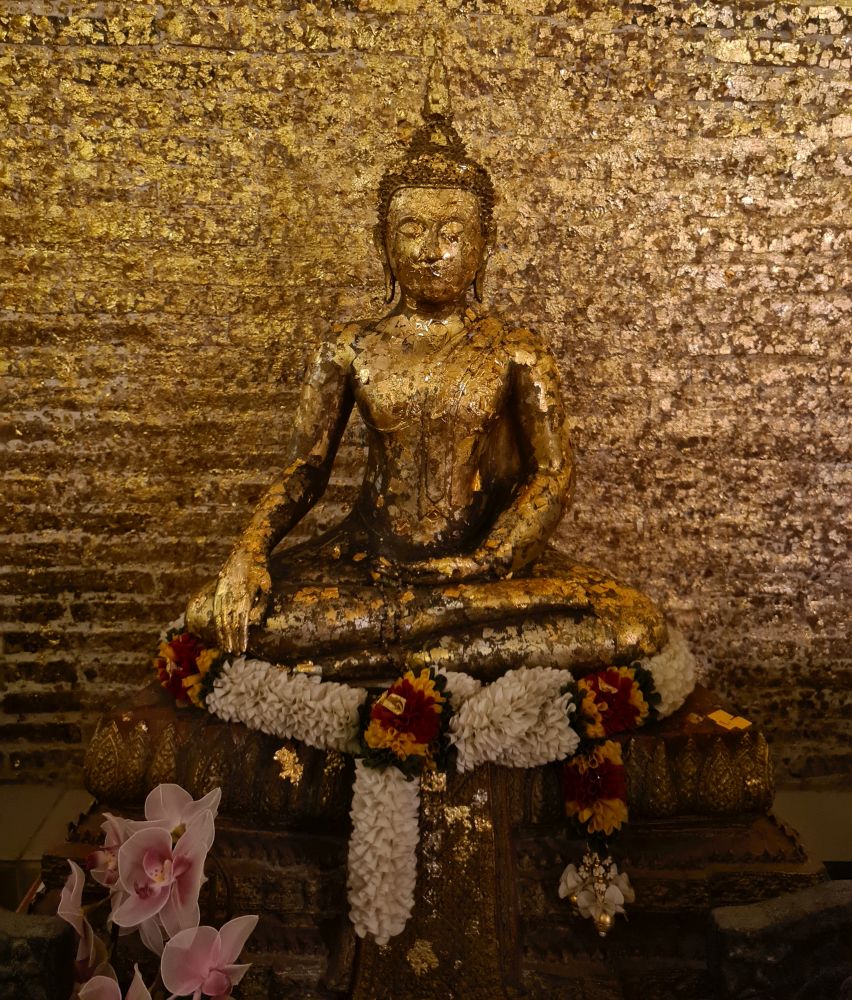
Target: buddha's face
x=434, y=243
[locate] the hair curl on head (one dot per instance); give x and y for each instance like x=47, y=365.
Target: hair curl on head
x=437, y=158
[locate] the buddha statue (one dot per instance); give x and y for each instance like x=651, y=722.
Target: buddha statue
x=445, y=558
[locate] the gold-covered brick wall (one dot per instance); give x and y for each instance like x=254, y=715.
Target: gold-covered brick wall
x=187, y=195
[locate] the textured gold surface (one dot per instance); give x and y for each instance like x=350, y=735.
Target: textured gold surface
x=684, y=767
x=187, y=195
x=163, y=766
x=421, y=957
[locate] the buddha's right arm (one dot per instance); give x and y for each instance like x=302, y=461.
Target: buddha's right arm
x=324, y=407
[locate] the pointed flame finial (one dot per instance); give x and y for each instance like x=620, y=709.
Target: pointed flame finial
x=437, y=100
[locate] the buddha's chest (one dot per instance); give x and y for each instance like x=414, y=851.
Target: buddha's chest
x=463, y=390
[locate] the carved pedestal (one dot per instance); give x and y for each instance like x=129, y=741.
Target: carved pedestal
x=488, y=921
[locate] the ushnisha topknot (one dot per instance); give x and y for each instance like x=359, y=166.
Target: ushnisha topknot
x=436, y=156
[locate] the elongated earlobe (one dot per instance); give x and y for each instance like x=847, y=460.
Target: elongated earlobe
x=390, y=277
x=479, y=282
x=390, y=284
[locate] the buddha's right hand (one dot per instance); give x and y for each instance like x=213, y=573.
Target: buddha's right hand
x=242, y=590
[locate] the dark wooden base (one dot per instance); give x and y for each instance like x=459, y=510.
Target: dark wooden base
x=488, y=922
x=304, y=947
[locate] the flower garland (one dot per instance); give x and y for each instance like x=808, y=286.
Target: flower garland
x=521, y=720
x=298, y=706
x=383, y=851
x=436, y=720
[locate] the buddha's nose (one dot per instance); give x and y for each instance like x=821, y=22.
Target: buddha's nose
x=431, y=249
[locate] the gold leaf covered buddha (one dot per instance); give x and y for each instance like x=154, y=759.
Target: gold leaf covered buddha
x=445, y=557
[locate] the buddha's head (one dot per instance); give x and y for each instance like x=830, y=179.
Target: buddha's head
x=435, y=209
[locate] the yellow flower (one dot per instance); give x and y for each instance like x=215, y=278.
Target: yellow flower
x=637, y=699
x=205, y=660
x=425, y=682
x=604, y=816
x=590, y=712
x=192, y=686
x=402, y=744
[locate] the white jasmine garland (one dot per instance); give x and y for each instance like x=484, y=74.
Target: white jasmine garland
x=521, y=720
x=673, y=670
x=383, y=851
x=460, y=687
x=292, y=706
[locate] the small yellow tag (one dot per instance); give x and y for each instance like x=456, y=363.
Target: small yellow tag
x=728, y=721
x=394, y=703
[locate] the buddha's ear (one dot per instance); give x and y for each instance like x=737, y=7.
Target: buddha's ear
x=479, y=277
x=381, y=250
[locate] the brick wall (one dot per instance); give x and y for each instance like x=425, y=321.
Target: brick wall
x=187, y=192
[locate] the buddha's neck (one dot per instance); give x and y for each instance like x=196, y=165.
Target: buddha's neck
x=425, y=312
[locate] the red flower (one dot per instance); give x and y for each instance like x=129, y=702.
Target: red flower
x=417, y=716
x=186, y=648
x=595, y=788
x=617, y=697
x=177, y=660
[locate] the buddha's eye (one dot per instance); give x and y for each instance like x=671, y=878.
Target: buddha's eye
x=410, y=228
x=452, y=231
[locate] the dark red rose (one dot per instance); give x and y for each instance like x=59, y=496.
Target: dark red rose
x=186, y=648
x=612, y=691
x=604, y=780
x=418, y=716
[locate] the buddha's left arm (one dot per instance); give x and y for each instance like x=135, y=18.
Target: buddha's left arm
x=522, y=529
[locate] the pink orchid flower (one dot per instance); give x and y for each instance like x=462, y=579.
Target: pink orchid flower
x=159, y=879
x=173, y=808
x=71, y=910
x=103, y=863
x=102, y=988
x=201, y=959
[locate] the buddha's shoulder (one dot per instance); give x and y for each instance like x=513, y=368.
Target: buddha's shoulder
x=340, y=344
x=520, y=345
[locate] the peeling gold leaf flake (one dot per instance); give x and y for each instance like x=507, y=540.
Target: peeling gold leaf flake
x=421, y=957
x=291, y=766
